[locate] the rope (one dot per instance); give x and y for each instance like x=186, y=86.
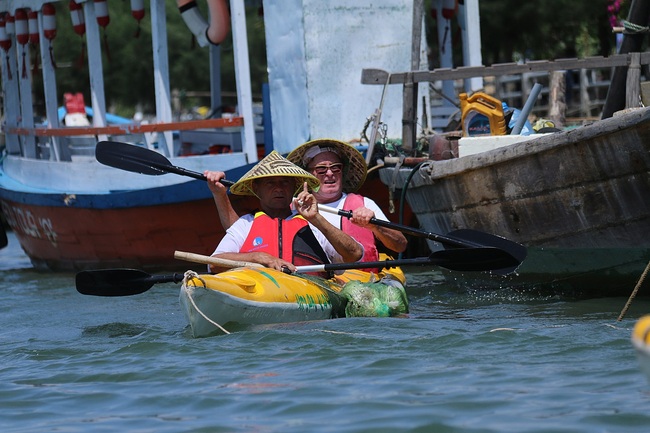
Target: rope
x=186, y=278
x=636, y=289
x=631, y=28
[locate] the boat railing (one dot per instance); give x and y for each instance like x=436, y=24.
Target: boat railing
x=632, y=61
x=81, y=140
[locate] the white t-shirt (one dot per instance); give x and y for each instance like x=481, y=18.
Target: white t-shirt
x=335, y=219
x=238, y=232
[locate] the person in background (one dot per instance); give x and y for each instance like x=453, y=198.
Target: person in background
x=341, y=170
x=279, y=236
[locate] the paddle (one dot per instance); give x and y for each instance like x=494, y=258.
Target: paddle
x=138, y=159
x=462, y=259
x=465, y=238
x=126, y=282
x=119, y=282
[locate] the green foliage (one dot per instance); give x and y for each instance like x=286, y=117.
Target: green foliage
x=535, y=29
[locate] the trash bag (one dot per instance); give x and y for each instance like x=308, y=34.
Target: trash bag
x=511, y=115
x=381, y=299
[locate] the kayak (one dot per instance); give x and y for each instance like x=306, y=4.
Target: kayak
x=641, y=342
x=245, y=296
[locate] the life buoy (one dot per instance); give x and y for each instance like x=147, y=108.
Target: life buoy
x=5, y=39
x=449, y=9
x=77, y=16
x=137, y=12
x=22, y=35
x=10, y=24
x=32, y=25
x=101, y=11
x=137, y=9
x=49, y=27
x=5, y=42
x=216, y=31
x=22, y=27
x=49, y=21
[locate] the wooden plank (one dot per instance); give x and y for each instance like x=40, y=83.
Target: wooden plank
x=128, y=128
x=376, y=76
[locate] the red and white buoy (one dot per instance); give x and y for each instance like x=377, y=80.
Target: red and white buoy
x=49, y=27
x=77, y=16
x=5, y=42
x=22, y=35
x=101, y=11
x=32, y=25
x=137, y=12
x=5, y=39
x=49, y=21
x=449, y=9
x=11, y=24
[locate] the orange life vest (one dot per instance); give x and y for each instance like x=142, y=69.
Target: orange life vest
x=361, y=234
x=289, y=239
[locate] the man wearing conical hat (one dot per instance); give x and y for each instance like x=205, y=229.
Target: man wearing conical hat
x=341, y=170
x=278, y=236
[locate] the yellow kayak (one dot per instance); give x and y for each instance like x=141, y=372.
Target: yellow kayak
x=641, y=342
x=253, y=296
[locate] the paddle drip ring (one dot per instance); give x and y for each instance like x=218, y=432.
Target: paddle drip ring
x=189, y=275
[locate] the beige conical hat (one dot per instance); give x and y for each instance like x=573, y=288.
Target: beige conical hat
x=272, y=165
x=355, y=169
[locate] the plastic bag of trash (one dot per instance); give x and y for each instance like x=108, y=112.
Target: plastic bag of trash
x=511, y=115
x=374, y=299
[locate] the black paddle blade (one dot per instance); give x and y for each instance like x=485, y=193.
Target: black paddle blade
x=131, y=158
x=480, y=238
x=119, y=282
x=475, y=260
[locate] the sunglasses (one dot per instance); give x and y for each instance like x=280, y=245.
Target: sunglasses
x=322, y=169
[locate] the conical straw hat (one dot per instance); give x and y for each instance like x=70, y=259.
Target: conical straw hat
x=272, y=165
x=354, y=165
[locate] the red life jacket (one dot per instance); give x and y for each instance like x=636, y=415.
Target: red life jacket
x=361, y=234
x=290, y=239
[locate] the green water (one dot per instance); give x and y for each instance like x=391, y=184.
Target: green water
x=464, y=361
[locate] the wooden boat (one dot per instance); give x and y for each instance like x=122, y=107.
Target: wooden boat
x=255, y=296
x=69, y=212
x=577, y=199
x=641, y=343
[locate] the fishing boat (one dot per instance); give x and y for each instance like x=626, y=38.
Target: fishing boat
x=641, y=343
x=576, y=198
x=243, y=297
x=70, y=212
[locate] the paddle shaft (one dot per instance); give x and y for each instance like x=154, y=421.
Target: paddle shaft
x=465, y=259
x=208, y=260
x=141, y=160
x=185, y=172
x=405, y=229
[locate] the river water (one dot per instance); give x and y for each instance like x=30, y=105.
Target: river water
x=498, y=361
